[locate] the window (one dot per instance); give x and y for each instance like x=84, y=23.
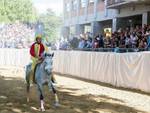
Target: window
x=87, y=28
x=91, y=1
x=67, y=7
x=83, y=3
x=74, y=3
x=72, y=30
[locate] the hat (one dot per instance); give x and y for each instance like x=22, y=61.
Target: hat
x=38, y=36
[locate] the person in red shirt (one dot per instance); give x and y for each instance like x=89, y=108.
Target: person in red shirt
x=37, y=51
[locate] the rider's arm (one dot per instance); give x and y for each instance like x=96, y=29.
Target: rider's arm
x=32, y=52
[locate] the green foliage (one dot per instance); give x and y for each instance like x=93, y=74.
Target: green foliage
x=13, y=10
x=24, y=11
x=52, y=24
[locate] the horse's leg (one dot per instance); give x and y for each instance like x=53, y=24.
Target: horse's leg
x=40, y=91
x=50, y=85
x=28, y=86
x=28, y=92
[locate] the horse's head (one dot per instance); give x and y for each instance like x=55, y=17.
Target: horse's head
x=48, y=62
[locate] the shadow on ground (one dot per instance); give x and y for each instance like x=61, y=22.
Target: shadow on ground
x=105, y=84
x=13, y=100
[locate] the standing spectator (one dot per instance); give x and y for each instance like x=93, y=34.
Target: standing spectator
x=148, y=40
x=96, y=42
x=81, y=43
x=128, y=41
x=89, y=43
x=142, y=44
x=107, y=42
x=101, y=41
x=122, y=41
x=133, y=40
x=74, y=42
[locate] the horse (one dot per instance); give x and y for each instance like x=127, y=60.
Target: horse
x=43, y=73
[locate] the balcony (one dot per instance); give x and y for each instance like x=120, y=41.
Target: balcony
x=115, y=4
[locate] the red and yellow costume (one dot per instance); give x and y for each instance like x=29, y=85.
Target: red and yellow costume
x=36, y=51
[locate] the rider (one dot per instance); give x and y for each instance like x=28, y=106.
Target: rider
x=36, y=51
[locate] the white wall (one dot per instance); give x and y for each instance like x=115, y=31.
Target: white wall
x=129, y=70
x=14, y=57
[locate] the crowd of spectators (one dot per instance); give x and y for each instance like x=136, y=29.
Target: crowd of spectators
x=17, y=35
x=133, y=38
x=137, y=37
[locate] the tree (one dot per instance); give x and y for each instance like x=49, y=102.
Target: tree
x=13, y=10
x=51, y=23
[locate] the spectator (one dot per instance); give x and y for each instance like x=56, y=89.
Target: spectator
x=81, y=43
x=122, y=41
x=89, y=43
x=137, y=37
x=96, y=42
x=101, y=41
x=128, y=41
x=74, y=42
x=133, y=40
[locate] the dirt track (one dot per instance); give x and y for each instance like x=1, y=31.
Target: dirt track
x=76, y=96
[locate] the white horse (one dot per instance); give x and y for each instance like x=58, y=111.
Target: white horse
x=42, y=76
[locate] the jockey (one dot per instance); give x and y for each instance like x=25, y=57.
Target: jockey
x=36, y=51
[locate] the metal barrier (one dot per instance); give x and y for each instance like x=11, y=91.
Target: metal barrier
x=117, y=50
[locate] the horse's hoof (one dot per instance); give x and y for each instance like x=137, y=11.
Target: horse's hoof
x=42, y=109
x=56, y=104
x=28, y=100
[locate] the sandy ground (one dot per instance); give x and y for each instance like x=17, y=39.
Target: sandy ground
x=76, y=96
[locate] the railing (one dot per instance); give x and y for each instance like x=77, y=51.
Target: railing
x=114, y=2
x=117, y=50
x=120, y=2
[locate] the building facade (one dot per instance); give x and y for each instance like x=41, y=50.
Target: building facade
x=81, y=16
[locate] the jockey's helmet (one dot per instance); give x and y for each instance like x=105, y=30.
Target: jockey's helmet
x=38, y=39
x=38, y=36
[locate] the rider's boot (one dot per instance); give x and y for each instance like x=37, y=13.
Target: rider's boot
x=33, y=77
